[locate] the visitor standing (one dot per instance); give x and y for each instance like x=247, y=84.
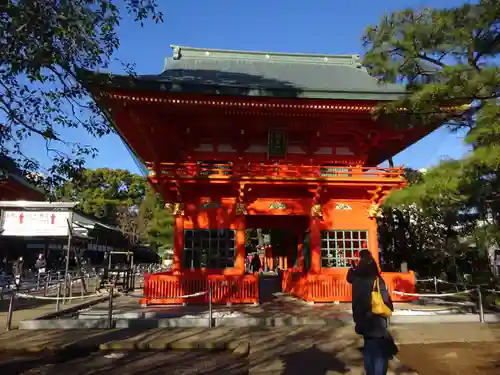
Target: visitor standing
x=256, y=265
x=5, y=266
x=40, y=264
x=366, y=281
x=18, y=270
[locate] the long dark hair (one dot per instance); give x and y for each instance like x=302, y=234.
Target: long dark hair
x=367, y=266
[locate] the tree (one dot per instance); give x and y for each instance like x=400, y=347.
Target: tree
x=432, y=240
x=447, y=58
x=44, y=46
x=105, y=193
x=158, y=225
x=123, y=199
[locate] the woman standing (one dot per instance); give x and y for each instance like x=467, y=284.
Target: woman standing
x=18, y=270
x=255, y=264
x=379, y=346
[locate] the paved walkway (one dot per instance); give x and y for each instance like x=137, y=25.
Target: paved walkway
x=26, y=309
x=317, y=350
x=332, y=350
x=170, y=362
x=281, y=306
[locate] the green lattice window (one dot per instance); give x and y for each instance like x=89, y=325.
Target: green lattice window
x=205, y=248
x=331, y=171
x=210, y=168
x=340, y=247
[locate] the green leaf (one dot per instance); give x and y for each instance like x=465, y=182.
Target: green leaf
x=43, y=46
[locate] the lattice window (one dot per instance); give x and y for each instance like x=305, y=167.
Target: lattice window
x=334, y=171
x=340, y=247
x=205, y=248
x=211, y=168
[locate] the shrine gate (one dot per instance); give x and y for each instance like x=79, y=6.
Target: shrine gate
x=232, y=137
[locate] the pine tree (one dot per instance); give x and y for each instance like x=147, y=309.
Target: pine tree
x=447, y=58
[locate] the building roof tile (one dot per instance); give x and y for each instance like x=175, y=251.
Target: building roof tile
x=226, y=72
x=302, y=73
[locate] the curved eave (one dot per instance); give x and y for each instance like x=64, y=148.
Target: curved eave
x=98, y=82
x=22, y=189
x=105, y=111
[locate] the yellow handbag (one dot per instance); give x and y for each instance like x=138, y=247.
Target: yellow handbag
x=378, y=305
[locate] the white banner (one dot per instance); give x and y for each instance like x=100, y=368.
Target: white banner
x=35, y=223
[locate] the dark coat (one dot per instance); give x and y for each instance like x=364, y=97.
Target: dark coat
x=367, y=324
x=255, y=264
x=18, y=267
x=40, y=263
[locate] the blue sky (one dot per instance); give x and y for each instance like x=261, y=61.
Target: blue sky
x=315, y=26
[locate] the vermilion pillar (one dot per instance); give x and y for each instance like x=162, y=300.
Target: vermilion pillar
x=300, y=254
x=315, y=243
x=178, y=242
x=287, y=259
x=373, y=240
x=240, y=244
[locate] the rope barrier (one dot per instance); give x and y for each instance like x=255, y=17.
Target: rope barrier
x=445, y=282
x=29, y=296
x=437, y=280
x=178, y=297
x=477, y=290
x=493, y=291
x=432, y=295
x=457, y=284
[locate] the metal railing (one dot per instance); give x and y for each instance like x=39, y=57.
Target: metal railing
x=471, y=290
x=42, y=282
x=54, y=286
x=112, y=294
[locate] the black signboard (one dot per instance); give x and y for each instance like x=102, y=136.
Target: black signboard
x=277, y=143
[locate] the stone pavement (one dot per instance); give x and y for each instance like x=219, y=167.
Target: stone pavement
x=281, y=306
x=27, y=309
x=328, y=350
x=169, y=362
x=290, y=350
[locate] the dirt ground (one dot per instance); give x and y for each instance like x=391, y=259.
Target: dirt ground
x=452, y=358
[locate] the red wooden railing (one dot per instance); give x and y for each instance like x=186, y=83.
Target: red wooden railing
x=165, y=288
x=334, y=287
x=272, y=171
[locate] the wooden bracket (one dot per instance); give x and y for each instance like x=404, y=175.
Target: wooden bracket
x=240, y=200
x=178, y=190
x=378, y=196
x=316, y=210
x=177, y=209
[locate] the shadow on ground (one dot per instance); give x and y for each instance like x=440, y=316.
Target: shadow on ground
x=312, y=361
x=290, y=350
x=23, y=304
x=137, y=364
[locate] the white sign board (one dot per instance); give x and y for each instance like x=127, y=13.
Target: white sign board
x=35, y=223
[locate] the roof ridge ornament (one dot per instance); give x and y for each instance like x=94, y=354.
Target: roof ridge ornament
x=176, y=52
x=352, y=60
